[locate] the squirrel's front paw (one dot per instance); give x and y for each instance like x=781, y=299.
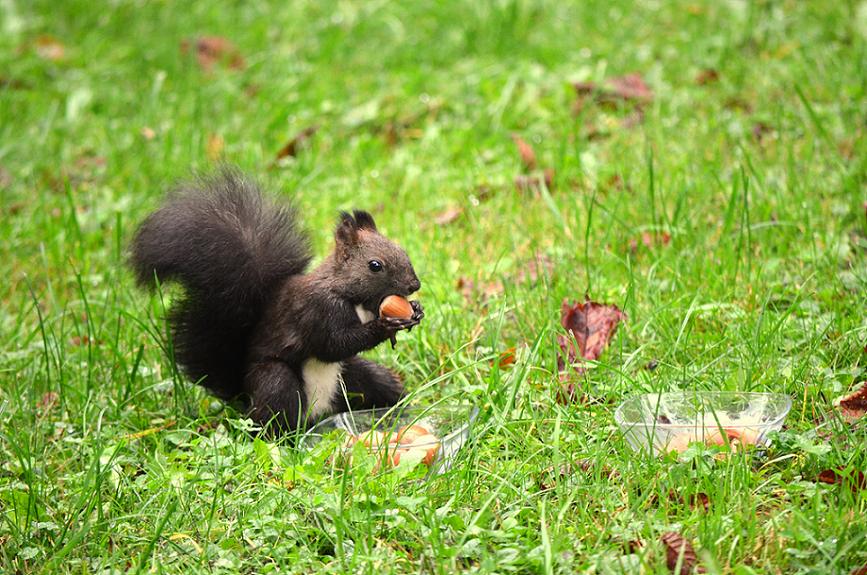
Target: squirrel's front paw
x=391, y=325
x=417, y=311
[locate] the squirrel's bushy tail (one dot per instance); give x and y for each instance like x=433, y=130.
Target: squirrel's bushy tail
x=229, y=249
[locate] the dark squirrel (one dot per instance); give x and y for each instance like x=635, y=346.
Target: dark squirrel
x=252, y=323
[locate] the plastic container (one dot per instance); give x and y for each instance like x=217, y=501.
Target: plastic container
x=450, y=424
x=661, y=422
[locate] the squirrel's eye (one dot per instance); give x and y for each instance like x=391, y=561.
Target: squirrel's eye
x=375, y=265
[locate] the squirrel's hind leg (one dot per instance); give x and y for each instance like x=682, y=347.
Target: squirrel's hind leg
x=368, y=385
x=275, y=394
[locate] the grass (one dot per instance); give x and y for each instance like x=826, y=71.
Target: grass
x=110, y=461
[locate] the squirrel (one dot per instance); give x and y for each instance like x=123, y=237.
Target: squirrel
x=252, y=324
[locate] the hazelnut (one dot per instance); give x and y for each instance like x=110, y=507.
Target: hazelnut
x=395, y=306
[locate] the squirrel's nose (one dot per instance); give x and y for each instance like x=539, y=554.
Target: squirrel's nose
x=414, y=285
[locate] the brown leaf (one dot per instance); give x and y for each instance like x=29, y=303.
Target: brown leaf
x=214, y=147
x=699, y=499
x=448, y=215
x=707, y=76
x=50, y=48
x=650, y=241
x=854, y=405
x=297, y=143
x=211, y=50
x=855, y=480
x=79, y=341
x=506, y=358
x=591, y=325
x=47, y=402
x=675, y=546
x=528, y=156
x=859, y=570
x=630, y=87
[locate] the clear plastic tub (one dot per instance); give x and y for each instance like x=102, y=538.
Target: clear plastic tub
x=661, y=422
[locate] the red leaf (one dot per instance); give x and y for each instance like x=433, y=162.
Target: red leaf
x=675, y=546
x=592, y=325
x=528, y=156
x=855, y=479
x=854, y=405
x=211, y=50
x=506, y=358
x=859, y=570
x=297, y=143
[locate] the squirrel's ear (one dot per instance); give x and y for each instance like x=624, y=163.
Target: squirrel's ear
x=346, y=234
x=364, y=220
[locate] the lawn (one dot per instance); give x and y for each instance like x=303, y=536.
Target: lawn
x=722, y=205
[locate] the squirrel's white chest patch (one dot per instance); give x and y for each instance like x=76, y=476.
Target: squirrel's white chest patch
x=364, y=315
x=321, y=381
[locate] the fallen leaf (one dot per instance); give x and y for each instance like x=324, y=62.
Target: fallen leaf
x=506, y=358
x=699, y=499
x=859, y=570
x=651, y=365
x=211, y=50
x=297, y=143
x=630, y=87
x=448, y=215
x=528, y=156
x=591, y=325
x=214, y=147
x=855, y=480
x=854, y=405
x=707, y=76
x=50, y=48
x=47, y=402
x=148, y=133
x=678, y=549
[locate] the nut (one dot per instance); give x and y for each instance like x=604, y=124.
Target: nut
x=395, y=306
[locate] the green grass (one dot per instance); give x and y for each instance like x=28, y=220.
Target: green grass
x=763, y=285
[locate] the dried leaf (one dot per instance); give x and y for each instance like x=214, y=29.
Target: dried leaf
x=528, y=156
x=707, y=76
x=470, y=290
x=855, y=480
x=214, y=147
x=297, y=143
x=676, y=545
x=50, y=48
x=591, y=325
x=854, y=405
x=211, y=50
x=699, y=499
x=79, y=340
x=585, y=88
x=448, y=215
x=506, y=358
x=47, y=402
x=630, y=87
x=652, y=364
x=148, y=133
x=650, y=241
x=859, y=570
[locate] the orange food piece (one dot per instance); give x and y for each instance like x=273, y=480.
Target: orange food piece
x=395, y=306
x=408, y=434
